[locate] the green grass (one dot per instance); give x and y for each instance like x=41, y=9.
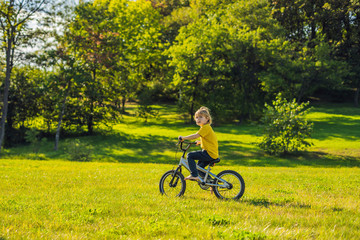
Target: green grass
x=314, y=195
x=71, y=200
x=335, y=138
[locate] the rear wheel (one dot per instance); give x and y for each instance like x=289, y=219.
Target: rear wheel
x=233, y=186
x=172, y=183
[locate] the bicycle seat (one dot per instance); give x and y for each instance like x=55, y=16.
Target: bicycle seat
x=212, y=163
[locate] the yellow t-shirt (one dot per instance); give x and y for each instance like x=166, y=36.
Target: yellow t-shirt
x=209, y=140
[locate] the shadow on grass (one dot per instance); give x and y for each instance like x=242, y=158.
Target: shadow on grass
x=151, y=149
x=283, y=202
x=252, y=156
x=248, y=129
x=120, y=147
x=133, y=149
x=116, y=146
x=339, y=127
x=125, y=148
x=333, y=108
x=279, y=202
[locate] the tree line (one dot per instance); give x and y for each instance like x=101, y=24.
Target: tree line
x=230, y=55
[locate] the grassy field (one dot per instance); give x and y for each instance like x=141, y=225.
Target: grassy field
x=314, y=195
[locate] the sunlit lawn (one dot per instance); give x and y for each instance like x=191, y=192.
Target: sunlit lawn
x=314, y=195
x=70, y=200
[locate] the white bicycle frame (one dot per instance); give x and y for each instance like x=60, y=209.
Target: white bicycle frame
x=184, y=162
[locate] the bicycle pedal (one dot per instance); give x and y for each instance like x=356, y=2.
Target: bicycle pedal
x=210, y=180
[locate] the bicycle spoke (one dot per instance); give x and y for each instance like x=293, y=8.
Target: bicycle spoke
x=171, y=185
x=236, y=188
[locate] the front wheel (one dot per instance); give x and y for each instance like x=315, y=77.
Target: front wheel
x=233, y=186
x=172, y=183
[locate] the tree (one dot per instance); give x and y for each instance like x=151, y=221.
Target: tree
x=175, y=14
x=299, y=73
x=315, y=27
x=24, y=102
x=191, y=60
x=69, y=74
x=92, y=40
x=217, y=58
x=14, y=18
x=87, y=36
x=138, y=29
x=349, y=49
x=286, y=128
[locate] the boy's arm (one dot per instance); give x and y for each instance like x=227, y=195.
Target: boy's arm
x=190, y=137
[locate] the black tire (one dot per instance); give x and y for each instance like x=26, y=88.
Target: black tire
x=235, y=191
x=177, y=188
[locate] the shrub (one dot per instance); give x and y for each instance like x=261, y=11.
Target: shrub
x=145, y=111
x=32, y=136
x=286, y=127
x=79, y=151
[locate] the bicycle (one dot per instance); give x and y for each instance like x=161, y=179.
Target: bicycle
x=228, y=184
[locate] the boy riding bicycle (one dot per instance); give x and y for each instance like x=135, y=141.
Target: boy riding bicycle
x=208, y=142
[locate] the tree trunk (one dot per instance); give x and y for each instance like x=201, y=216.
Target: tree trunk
x=302, y=90
x=123, y=101
x=90, y=118
x=356, y=98
x=300, y=95
x=304, y=86
x=192, y=111
x=61, y=115
x=9, y=65
x=13, y=15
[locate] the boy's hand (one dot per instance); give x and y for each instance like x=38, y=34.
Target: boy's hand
x=198, y=142
x=181, y=138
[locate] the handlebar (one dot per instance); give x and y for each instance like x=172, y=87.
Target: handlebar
x=188, y=145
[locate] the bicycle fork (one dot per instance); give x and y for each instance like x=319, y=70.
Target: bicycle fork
x=172, y=183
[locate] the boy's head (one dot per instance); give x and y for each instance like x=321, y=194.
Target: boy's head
x=204, y=112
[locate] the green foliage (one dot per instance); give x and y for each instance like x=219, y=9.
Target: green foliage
x=298, y=71
x=32, y=136
x=118, y=42
x=217, y=58
x=218, y=221
x=231, y=56
x=79, y=151
x=145, y=109
x=286, y=128
x=25, y=95
x=91, y=42
x=323, y=54
x=242, y=235
x=138, y=30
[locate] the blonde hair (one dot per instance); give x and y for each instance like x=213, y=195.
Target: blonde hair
x=205, y=112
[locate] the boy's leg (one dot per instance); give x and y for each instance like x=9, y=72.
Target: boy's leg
x=191, y=157
x=204, y=161
x=202, y=164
